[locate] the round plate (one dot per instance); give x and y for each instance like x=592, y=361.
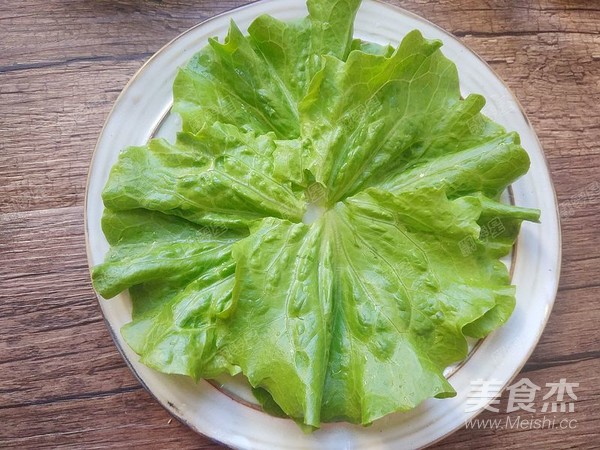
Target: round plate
x=143, y=110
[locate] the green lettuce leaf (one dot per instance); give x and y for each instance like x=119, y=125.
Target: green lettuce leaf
x=375, y=117
x=257, y=81
x=355, y=296
x=219, y=176
x=328, y=222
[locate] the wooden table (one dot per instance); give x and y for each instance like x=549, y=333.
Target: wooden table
x=62, y=65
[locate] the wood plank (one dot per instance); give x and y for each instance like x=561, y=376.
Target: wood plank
x=585, y=414
x=51, y=136
x=571, y=332
x=55, y=31
x=123, y=419
x=63, y=30
x=53, y=342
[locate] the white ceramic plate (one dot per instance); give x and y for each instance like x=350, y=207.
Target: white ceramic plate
x=143, y=110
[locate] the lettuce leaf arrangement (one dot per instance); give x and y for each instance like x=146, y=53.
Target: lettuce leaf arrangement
x=326, y=223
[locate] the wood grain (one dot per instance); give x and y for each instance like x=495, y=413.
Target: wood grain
x=62, y=65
